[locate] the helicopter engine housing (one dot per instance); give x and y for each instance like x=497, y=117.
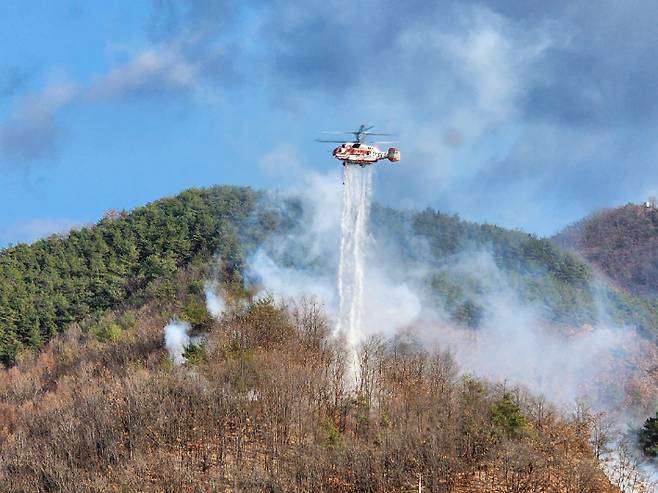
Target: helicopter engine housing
x=393, y=155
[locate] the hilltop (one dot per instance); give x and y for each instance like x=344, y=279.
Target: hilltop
x=622, y=243
x=125, y=260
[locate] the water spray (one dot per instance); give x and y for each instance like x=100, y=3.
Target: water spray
x=357, y=198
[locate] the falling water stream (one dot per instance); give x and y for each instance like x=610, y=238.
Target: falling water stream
x=357, y=197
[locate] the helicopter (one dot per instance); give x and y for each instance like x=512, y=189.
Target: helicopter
x=359, y=152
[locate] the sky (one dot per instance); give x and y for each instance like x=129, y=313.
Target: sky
x=522, y=113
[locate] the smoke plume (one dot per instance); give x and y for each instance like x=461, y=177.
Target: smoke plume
x=514, y=342
x=215, y=303
x=176, y=336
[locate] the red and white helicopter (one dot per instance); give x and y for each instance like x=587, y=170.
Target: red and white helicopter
x=358, y=152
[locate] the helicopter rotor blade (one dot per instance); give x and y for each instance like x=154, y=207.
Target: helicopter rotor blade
x=360, y=136
x=385, y=142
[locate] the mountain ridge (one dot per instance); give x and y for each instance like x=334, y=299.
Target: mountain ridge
x=55, y=281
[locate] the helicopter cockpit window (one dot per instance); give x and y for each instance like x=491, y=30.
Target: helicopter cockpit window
x=356, y=146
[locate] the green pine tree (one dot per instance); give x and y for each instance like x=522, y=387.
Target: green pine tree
x=648, y=437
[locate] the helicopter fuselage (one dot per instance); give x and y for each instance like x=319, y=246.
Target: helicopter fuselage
x=363, y=154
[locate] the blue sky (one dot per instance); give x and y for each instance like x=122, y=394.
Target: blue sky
x=512, y=112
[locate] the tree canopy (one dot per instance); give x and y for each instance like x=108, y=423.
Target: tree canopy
x=46, y=285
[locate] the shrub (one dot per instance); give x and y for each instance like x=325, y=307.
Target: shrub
x=197, y=315
x=107, y=331
x=331, y=435
x=195, y=353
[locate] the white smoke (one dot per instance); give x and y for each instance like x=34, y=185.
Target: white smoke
x=377, y=295
x=215, y=303
x=514, y=343
x=286, y=283
x=176, y=336
x=387, y=303
x=628, y=470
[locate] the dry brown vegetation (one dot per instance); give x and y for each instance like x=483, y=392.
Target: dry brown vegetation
x=266, y=407
x=622, y=243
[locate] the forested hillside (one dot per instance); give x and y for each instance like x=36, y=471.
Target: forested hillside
x=564, y=287
x=132, y=259
x=622, y=243
x=261, y=401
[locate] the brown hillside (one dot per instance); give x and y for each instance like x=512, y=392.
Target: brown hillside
x=265, y=408
x=622, y=243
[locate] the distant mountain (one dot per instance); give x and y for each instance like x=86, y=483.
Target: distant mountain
x=622, y=243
